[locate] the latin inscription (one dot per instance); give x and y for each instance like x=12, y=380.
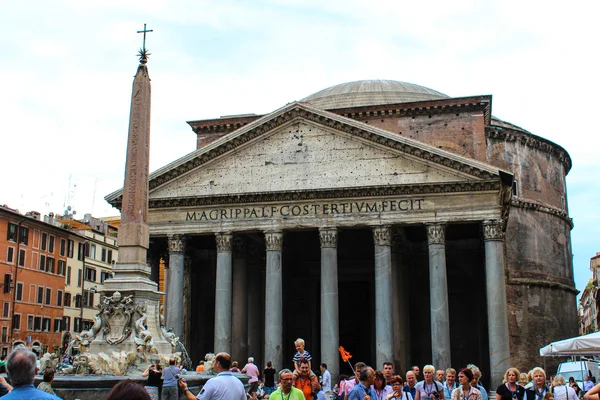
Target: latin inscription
x=306, y=210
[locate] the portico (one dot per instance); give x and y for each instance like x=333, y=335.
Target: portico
x=301, y=295
x=299, y=192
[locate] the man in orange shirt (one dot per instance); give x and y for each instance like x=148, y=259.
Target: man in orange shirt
x=305, y=382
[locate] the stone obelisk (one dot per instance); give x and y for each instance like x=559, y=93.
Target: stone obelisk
x=132, y=273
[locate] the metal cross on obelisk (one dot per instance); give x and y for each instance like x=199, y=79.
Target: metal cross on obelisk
x=143, y=52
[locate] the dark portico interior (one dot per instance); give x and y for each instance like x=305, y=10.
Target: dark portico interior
x=301, y=294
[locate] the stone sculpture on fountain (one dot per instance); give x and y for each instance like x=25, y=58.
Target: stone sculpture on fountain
x=114, y=324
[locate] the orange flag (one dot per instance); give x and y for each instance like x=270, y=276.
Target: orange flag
x=345, y=354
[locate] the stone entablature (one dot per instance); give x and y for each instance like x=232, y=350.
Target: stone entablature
x=222, y=125
x=357, y=193
x=340, y=212
x=430, y=107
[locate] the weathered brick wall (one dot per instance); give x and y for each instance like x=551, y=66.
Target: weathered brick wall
x=459, y=133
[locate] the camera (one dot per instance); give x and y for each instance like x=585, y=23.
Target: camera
x=436, y=395
x=178, y=377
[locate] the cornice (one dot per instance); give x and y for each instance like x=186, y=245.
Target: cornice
x=533, y=206
x=433, y=107
x=222, y=125
x=426, y=107
x=532, y=141
x=367, y=191
x=541, y=283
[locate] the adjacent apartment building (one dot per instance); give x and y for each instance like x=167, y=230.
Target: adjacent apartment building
x=96, y=254
x=588, y=306
x=51, y=273
x=34, y=258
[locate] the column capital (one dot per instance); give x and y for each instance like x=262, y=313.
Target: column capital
x=493, y=229
x=223, y=241
x=382, y=235
x=239, y=246
x=177, y=243
x=436, y=233
x=274, y=240
x=328, y=237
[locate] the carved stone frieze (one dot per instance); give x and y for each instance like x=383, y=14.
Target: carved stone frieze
x=224, y=241
x=274, y=240
x=382, y=235
x=328, y=237
x=367, y=191
x=493, y=229
x=436, y=233
x=177, y=243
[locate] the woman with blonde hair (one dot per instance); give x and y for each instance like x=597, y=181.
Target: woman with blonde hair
x=538, y=388
x=429, y=389
x=510, y=389
x=561, y=390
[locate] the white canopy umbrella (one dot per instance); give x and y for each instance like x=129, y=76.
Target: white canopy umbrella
x=577, y=346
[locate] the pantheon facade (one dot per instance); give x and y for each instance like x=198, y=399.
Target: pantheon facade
x=382, y=216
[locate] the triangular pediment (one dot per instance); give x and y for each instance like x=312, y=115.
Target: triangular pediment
x=302, y=149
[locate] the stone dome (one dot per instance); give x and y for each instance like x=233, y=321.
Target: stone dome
x=370, y=93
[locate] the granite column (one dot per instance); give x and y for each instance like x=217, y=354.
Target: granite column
x=239, y=312
x=223, y=285
x=330, y=330
x=493, y=236
x=254, y=307
x=384, y=335
x=175, y=281
x=438, y=296
x=274, y=299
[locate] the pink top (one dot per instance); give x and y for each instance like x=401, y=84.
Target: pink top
x=252, y=371
x=350, y=383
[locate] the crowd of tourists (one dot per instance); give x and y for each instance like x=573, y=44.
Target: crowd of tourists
x=303, y=384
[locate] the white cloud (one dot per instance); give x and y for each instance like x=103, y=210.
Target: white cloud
x=67, y=70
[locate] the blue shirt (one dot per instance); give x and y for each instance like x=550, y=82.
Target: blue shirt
x=484, y=395
x=169, y=376
x=448, y=391
x=28, y=392
x=412, y=391
x=358, y=392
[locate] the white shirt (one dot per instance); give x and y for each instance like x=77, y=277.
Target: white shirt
x=224, y=386
x=326, y=381
x=561, y=392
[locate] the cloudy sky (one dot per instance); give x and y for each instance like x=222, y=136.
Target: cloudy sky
x=67, y=69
